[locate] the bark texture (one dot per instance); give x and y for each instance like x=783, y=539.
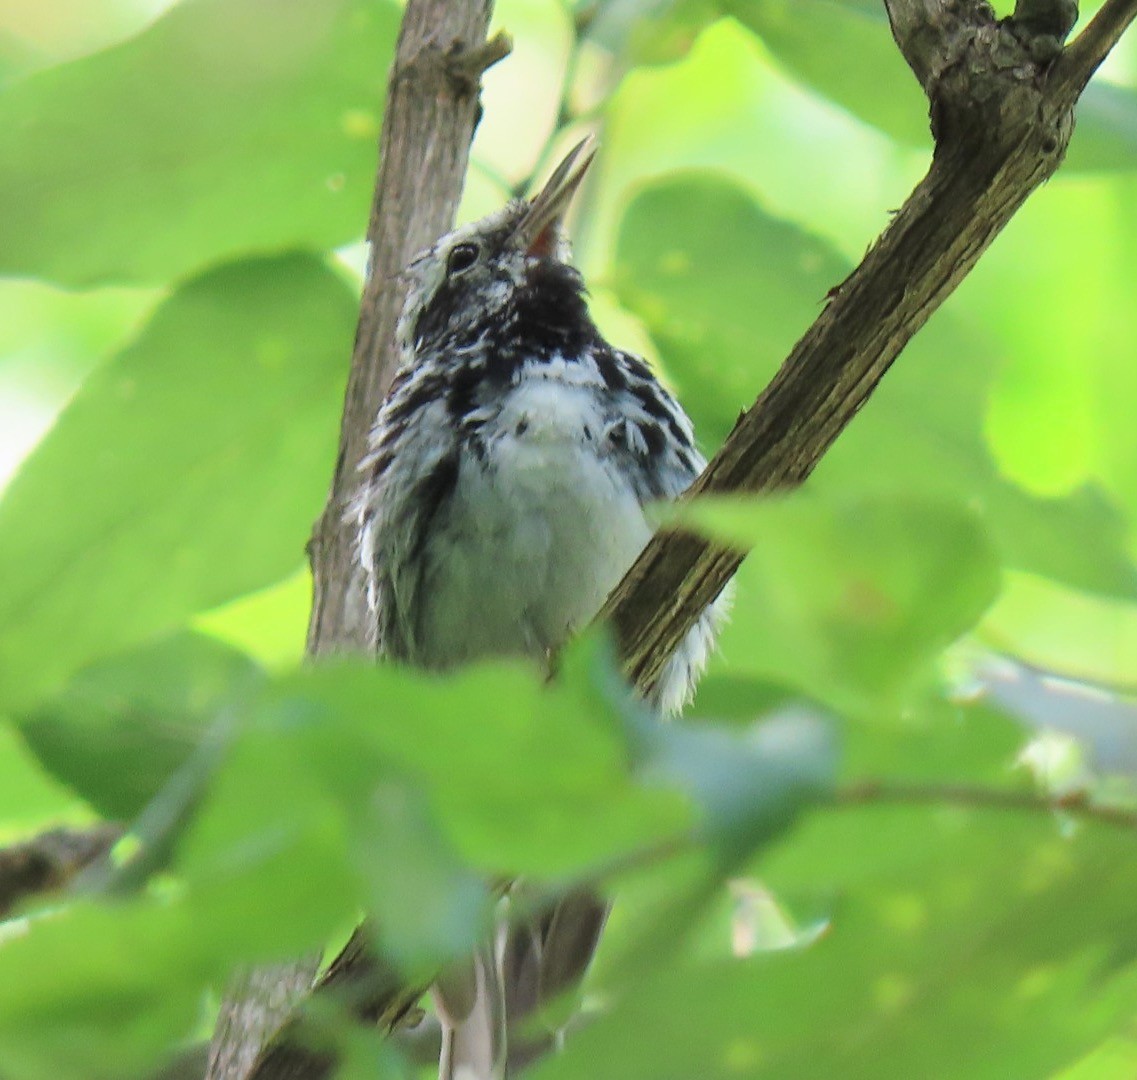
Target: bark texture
x=431, y=112
x=1001, y=111
x=51, y=861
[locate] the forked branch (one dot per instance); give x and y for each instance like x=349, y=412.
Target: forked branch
x=1002, y=117
x=1001, y=100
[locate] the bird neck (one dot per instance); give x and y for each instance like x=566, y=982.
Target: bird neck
x=548, y=314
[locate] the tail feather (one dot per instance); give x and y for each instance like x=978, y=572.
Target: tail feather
x=487, y=1005
x=543, y=959
x=470, y=1001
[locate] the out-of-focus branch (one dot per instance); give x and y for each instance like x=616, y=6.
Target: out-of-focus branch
x=51, y=861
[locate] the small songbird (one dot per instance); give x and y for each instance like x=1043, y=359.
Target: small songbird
x=502, y=499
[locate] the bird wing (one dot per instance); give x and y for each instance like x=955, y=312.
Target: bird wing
x=410, y=471
x=649, y=428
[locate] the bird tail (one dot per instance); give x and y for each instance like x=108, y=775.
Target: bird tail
x=487, y=1005
x=543, y=959
x=470, y=1000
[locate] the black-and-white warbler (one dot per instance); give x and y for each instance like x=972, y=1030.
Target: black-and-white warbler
x=503, y=495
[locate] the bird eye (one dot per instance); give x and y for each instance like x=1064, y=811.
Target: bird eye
x=462, y=258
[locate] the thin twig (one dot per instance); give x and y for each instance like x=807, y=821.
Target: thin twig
x=1089, y=49
x=975, y=797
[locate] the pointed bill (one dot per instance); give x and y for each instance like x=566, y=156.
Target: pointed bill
x=547, y=208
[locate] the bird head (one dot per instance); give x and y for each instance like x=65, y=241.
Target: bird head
x=472, y=275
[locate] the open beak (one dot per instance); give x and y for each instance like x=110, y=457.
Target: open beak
x=536, y=231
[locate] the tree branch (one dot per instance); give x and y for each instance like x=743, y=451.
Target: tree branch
x=973, y=797
x=1002, y=120
x=51, y=861
x=1093, y=45
x=431, y=112
x=1001, y=111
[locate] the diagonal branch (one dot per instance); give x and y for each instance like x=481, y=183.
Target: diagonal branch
x=1002, y=115
x=1002, y=120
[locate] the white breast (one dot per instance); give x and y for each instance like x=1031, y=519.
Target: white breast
x=534, y=538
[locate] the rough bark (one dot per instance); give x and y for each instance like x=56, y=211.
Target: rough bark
x=1002, y=114
x=431, y=112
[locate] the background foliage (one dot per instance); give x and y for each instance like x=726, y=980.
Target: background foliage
x=185, y=186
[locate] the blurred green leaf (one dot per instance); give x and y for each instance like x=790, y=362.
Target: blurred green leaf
x=646, y=31
x=123, y=726
x=1106, y=133
x=521, y=777
x=843, y=49
x=430, y=907
x=849, y=601
x=726, y=290
x=1115, y=1059
x=749, y=786
x=227, y=126
x=96, y=992
x=1001, y=949
x=187, y=471
x=845, y=52
x=29, y=796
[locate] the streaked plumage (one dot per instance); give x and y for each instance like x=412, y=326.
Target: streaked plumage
x=503, y=495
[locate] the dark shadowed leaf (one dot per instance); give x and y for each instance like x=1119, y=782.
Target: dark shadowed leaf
x=122, y=727
x=187, y=470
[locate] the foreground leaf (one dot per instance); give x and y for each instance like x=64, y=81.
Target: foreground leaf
x=989, y=946
x=723, y=331
x=227, y=126
x=186, y=471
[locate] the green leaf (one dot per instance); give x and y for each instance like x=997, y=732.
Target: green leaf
x=850, y=601
x=844, y=50
x=750, y=786
x=726, y=290
x=521, y=777
x=187, y=470
x=846, y=53
x=29, y=797
x=227, y=126
x=96, y=992
x=430, y=907
x=996, y=947
x=123, y=726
